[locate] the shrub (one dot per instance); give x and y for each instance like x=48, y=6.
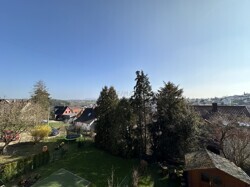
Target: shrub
x=9, y=171
x=16, y=168
x=40, y=132
x=28, y=162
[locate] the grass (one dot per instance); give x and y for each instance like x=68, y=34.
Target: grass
x=152, y=177
x=155, y=178
x=91, y=164
x=24, y=149
x=57, y=124
x=146, y=181
x=62, y=177
x=94, y=165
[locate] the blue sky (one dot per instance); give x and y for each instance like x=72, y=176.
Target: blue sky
x=77, y=47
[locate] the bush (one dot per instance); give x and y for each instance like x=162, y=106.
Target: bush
x=10, y=170
x=28, y=162
x=40, y=132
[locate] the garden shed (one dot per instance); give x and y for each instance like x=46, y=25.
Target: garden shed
x=206, y=169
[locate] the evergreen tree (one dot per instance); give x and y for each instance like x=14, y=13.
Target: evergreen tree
x=106, y=105
x=177, y=125
x=41, y=96
x=142, y=104
x=123, y=134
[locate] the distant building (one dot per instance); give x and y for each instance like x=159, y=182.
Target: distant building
x=76, y=110
x=226, y=101
x=4, y=101
x=86, y=121
x=66, y=112
x=209, y=112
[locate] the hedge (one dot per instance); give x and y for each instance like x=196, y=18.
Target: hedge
x=16, y=168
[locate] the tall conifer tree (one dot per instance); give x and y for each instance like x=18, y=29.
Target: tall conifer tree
x=142, y=104
x=176, y=124
x=106, y=105
x=40, y=95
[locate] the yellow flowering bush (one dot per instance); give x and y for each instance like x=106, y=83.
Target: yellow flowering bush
x=40, y=132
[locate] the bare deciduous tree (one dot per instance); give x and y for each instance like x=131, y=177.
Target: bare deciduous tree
x=236, y=147
x=232, y=134
x=17, y=117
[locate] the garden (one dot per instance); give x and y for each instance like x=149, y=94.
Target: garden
x=82, y=159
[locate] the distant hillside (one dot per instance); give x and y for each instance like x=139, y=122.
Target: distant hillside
x=226, y=100
x=81, y=102
x=58, y=102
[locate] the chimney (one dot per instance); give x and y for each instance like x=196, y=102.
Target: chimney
x=214, y=107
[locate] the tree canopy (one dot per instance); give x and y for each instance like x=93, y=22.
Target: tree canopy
x=176, y=128
x=18, y=116
x=163, y=123
x=41, y=97
x=106, y=104
x=142, y=105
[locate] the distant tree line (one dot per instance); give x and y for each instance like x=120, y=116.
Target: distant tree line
x=58, y=102
x=160, y=124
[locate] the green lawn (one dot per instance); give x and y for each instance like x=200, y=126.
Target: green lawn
x=91, y=164
x=95, y=166
x=24, y=149
x=154, y=178
x=57, y=124
x=62, y=177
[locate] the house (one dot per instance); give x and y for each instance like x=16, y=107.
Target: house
x=4, y=101
x=76, y=110
x=59, y=111
x=67, y=113
x=86, y=121
x=63, y=112
x=208, y=112
x=205, y=169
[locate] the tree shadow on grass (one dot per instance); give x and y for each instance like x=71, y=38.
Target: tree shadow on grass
x=25, y=149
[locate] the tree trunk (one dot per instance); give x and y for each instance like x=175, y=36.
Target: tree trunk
x=3, y=149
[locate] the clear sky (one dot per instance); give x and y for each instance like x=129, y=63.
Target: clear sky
x=78, y=46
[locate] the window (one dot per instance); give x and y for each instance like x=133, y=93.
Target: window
x=217, y=181
x=205, y=177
